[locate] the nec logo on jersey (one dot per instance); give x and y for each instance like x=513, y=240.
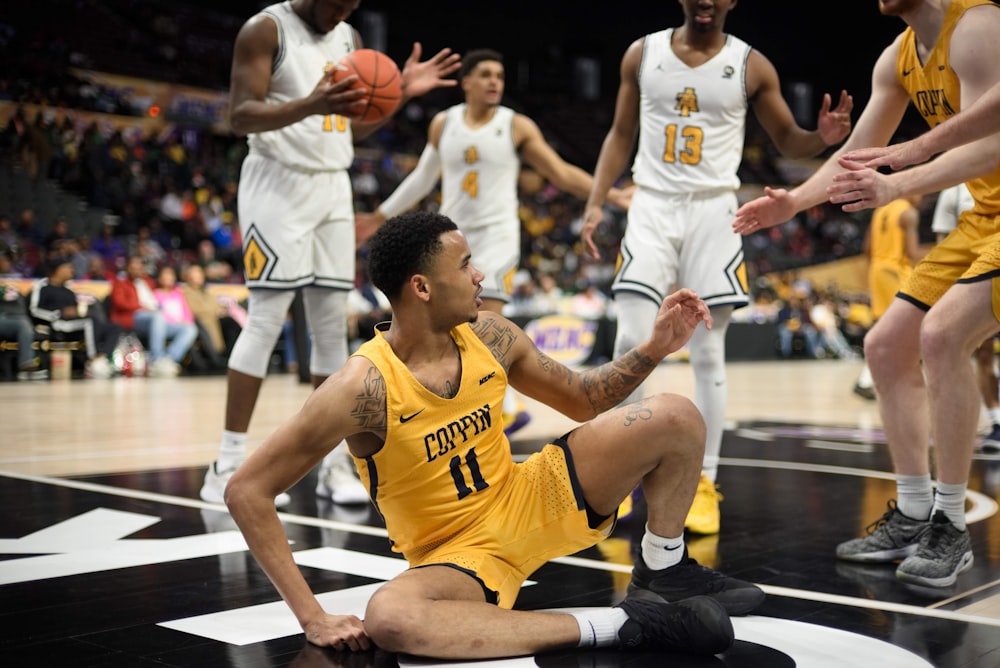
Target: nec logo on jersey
x=486, y=378
x=687, y=102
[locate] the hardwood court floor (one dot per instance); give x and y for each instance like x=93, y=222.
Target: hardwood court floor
x=109, y=558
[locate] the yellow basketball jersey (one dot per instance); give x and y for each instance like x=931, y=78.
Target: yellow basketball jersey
x=443, y=459
x=935, y=91
x=887, y=241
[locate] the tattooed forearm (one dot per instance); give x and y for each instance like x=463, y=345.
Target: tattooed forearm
x=369, y=407
x=610, y=384
x=558, y=372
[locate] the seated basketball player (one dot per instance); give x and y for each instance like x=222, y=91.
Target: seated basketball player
x=420, y=408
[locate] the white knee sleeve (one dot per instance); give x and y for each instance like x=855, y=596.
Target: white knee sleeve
x=326, y=313
x=266, y=313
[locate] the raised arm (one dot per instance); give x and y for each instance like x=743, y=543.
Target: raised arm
x=975, y=58
x=776, y=117
x=978, y=121
x=581, y=395
x=878, y=121
x=417, y=185
x=349, y=402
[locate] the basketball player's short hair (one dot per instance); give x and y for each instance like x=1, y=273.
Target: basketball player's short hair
x=404, y=246
x=476, y=56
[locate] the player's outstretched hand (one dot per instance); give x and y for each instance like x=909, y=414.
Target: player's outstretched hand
x=894, y=156
x=422, y=77
x=859, y=187
x=773, y=208
x=835, y=125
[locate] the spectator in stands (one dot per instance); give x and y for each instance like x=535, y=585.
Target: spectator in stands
x=81, y=255
x=109, y=246
x=134, y=308
x=15, y=325
x=825, y=317
x=550, y=297
x=793, y=319
x=53, y=303
x=57, y=235
x=217, y=328
x=589, y=303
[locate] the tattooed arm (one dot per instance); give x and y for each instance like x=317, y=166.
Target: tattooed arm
x=581, y=395
x=350, y=403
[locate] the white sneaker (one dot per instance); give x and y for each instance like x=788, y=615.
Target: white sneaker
x=214, y=488
x=340, y=484
x=164, y=368
x=99, y=368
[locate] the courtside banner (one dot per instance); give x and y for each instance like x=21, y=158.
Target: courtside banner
x=564, y=338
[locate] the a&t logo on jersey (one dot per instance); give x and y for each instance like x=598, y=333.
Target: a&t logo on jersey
x=687, y=102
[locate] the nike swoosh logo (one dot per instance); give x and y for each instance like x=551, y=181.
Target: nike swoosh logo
x=406, y=418
x=671, y=549
x=906, y=73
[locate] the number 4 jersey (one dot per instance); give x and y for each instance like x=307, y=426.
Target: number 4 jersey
x=479, y=170
x=692, y=119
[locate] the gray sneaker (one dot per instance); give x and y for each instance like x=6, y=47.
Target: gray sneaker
x=944, y=552
x=889, y=538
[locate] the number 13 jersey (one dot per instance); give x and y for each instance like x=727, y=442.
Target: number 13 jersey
x=692, y=119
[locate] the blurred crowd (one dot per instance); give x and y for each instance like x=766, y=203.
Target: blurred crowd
x=170, y=194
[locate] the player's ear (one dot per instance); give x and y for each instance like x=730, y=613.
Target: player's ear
x=420, y=287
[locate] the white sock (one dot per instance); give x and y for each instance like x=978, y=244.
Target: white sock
x=865, y=379
x=950, y=499
x=232, y=452
x=994, y=414
x=659, y=552
x=916, y=496
x=599, y=627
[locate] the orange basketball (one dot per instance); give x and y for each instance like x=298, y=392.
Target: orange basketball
x=379, y=76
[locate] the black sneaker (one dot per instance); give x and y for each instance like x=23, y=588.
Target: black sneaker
x=689, y=578
x=696, y=625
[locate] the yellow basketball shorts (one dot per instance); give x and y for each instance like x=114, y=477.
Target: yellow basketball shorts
x=539, y=515
x=970, y=253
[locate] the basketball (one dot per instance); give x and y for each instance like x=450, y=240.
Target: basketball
x=378, y=75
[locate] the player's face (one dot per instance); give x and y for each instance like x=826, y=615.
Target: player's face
x=324, y=15
x=485, y=83
x=456, y=280
x=706, y=15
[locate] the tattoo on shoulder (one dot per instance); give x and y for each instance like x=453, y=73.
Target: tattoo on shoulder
x=369, y=406
x=498, y=337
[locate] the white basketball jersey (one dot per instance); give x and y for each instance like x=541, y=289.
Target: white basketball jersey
x=316, y=143
x=692, y=119
x=479, y=169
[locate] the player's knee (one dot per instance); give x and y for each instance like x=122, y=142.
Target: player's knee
x=390, y=623
x=679, y=419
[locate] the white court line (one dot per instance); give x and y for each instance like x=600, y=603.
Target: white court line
x=574, y=561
